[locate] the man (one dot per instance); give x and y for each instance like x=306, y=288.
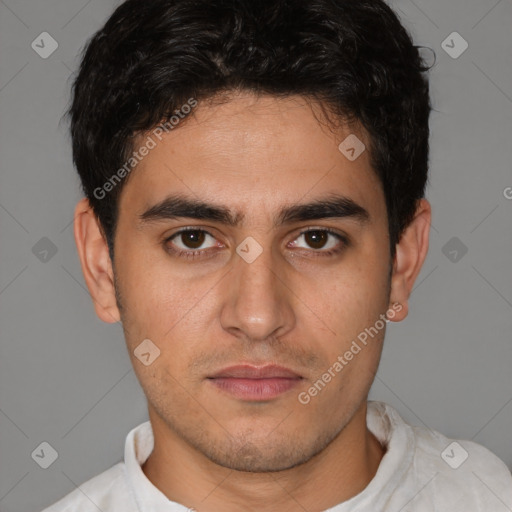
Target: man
x=254, y=175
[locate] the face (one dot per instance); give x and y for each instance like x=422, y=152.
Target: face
x=258, y=290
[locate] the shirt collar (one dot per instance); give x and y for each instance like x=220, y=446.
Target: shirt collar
x=138, y=447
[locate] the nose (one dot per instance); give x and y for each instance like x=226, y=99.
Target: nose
x=258, y=302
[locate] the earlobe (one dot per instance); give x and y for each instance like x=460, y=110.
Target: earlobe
x=95, y=262
x=411, y=252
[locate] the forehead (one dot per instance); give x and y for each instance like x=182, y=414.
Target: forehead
x=255, y=154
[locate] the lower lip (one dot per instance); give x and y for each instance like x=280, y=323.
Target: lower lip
x=255, y=389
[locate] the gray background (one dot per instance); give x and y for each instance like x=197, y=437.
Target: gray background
x=65, y=377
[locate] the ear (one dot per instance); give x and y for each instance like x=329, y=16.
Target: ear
x=411, y=252
x=95, y=261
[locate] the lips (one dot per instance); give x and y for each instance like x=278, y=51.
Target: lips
x=255, y=383
x=247, y=371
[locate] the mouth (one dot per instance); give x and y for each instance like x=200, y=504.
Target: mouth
x=255, y=383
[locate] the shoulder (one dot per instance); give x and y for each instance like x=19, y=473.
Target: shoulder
x=435, y=472
x=107, y=492
x=462, y=470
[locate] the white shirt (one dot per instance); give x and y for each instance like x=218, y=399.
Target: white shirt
x=421, y=471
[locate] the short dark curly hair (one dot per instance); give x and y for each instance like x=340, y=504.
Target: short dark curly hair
x=152, y=56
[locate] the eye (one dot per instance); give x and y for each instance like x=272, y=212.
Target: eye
x=317, y=239
x=188, y=241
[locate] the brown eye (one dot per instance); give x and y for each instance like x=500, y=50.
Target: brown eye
x=316, y=239
x=323, y=241
x=192, y=239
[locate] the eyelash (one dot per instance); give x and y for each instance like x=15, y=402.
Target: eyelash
x=194, y=254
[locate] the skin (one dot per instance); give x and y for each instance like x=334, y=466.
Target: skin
x=292, y=306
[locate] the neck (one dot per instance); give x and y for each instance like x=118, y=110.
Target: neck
x=338, y=473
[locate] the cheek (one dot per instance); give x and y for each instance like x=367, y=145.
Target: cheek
x=348, y=298
x=166, y=390
x=154, y=293
x=175, y=313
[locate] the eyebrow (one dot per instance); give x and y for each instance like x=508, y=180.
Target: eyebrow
x=180, y=206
